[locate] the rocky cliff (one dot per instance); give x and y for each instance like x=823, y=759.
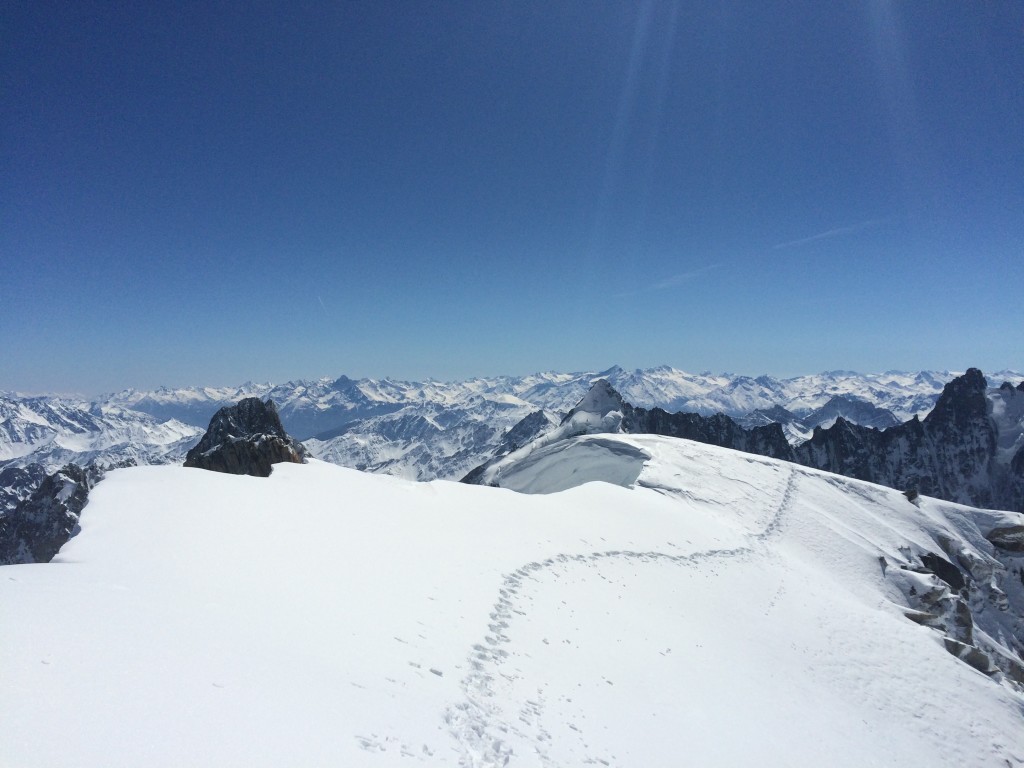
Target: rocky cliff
x=18, y=483
x=35, y=530
x=966, y=450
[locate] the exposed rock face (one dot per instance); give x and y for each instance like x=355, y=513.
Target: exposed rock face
x=526, y=430
x=18, y=483
x=41, y=524
x=944, y=569
x=768, y=440
x=1010, y=539
x=971, y=594
x=245, y=439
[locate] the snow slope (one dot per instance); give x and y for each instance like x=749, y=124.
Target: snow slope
x=725, y=609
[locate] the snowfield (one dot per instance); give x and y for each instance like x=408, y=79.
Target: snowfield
x=708, y=608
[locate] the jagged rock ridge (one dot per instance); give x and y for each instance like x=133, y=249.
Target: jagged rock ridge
x=959, y=452
x=18, y=483
x=719, y=429
x=951, y=454
x=245, y=439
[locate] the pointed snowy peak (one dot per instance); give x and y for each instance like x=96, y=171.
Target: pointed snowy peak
x=600, y=400
x=615, y=370
x=962, y=401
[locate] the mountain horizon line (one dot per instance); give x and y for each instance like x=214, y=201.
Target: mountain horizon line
x=613, y=369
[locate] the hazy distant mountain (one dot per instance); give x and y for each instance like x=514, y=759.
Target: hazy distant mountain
x=434, y=429
x=310, y=408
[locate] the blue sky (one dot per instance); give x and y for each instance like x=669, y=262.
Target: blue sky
x=205, y=193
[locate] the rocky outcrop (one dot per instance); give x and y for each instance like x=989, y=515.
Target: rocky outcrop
x=41, y=524
x=245, y=439
x=36, y=529
x=972, y=595
x=1010, y=538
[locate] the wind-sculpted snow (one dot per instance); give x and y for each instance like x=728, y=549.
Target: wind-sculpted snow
x=727, y=609
x=600, y=459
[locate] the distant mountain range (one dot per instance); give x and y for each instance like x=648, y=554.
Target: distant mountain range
x=431, y=429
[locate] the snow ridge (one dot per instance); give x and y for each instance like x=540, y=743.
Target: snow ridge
x=447, y=624
x=478, y=724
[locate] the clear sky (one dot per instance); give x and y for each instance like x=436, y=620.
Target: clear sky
x=209, y=192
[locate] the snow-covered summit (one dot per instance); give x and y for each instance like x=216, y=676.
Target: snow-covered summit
x=700, y=594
